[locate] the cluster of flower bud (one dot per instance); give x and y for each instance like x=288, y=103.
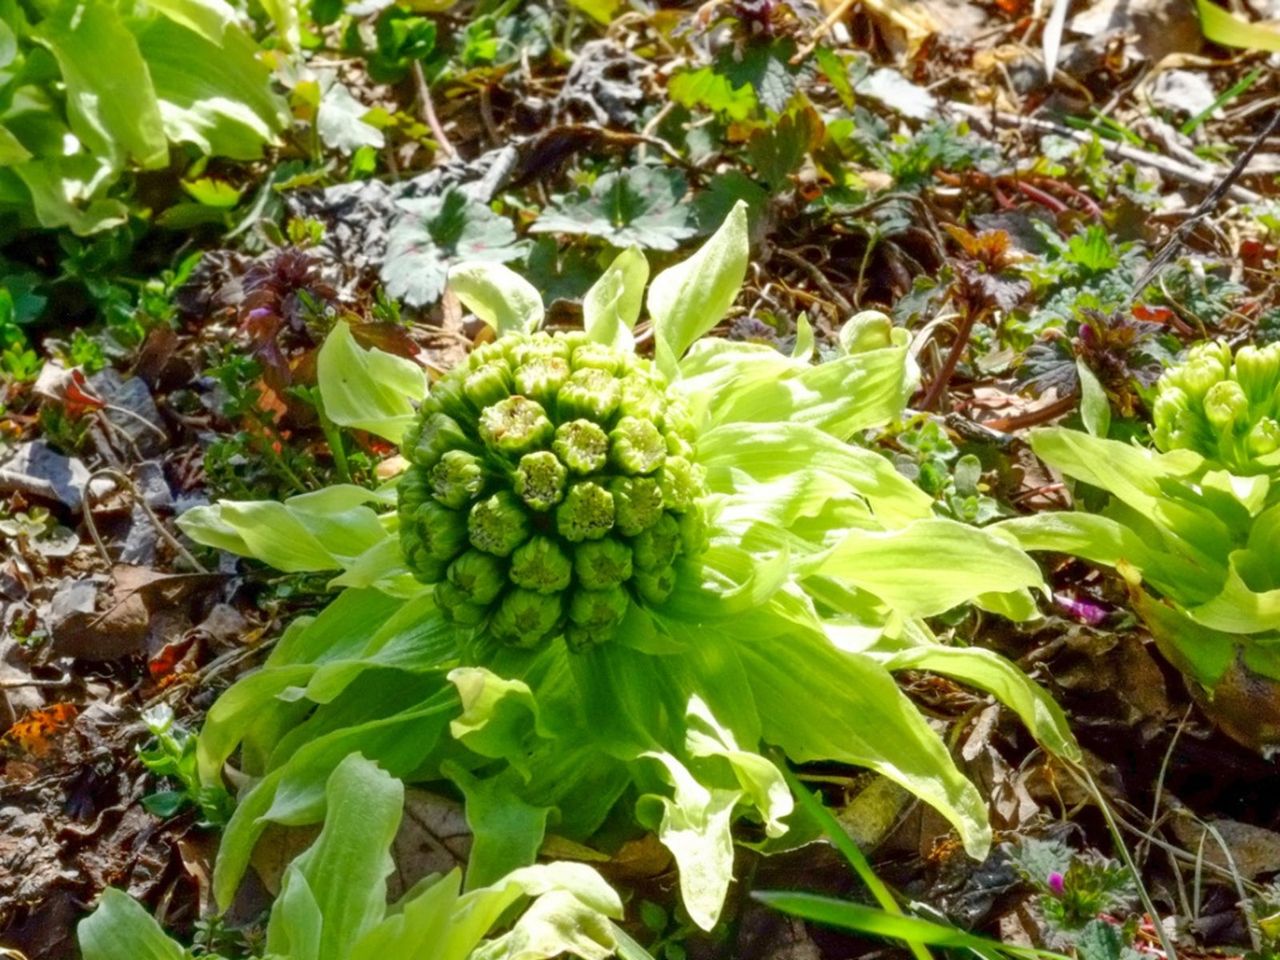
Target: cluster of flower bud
x=1224, y=407
x=552, y=484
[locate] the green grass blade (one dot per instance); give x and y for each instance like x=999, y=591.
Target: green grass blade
x=857, y=918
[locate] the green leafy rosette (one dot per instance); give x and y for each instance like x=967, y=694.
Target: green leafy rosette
x=1192, y=525
x=610, y=583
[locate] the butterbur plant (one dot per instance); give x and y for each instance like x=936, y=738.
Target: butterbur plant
x=1192, y=525
x=333, y=899
x=609, y=583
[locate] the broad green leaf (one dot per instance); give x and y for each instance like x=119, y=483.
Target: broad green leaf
x=929, y=566
x=212, y=89
x=761, y=782
x=421, y=924
x=1095, y=407
x=730, y=382
x=1196, y=650
x=1238, y=608
x=346, y=868
x=499, y=296
x=612, y=305
x=65, y=191
x=11, y=149
x=843, y=706
x=367, y=389
x=507, y=829
x=688, y=299
x=988, y=671
x=1127, y=471
x=479, y=909
x=695, y=825
x=498, y=717
x=325, y=530
x=1222, y=26
x=734, y=453
x=111, y=101
x=293, y=793
x=557, y=923
x=122, y=929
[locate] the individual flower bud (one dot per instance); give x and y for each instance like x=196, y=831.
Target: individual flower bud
x=525, y=618
x=658, y=546
x=1195, y=377
x=582, y=446
x=1226, y=406
x=515, y=426
x=678, y=446
x=488, y=384
x=498, y=524
x=586, y=513
x=655, y=588
x=431, y=437
x=412, y=490
x=636, y=446
x=541, y=565
x=598, y=609
x=480, y=576
x=591, y=394
x=681, y=483
x=600, y=564
x=425, y=568
x=442, y=532
x=1264, y=438
x=599, y=357
x=637, y=503
x=539, y=480
x=456, y=607
x=540, y=346
x=541, y=379
x=1257, y=370
x=457, y=479
x=1217, y=352
x=640, y=399
x=447, y=397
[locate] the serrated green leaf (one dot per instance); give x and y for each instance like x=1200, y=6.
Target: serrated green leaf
x=639, y=206
x=433, y=233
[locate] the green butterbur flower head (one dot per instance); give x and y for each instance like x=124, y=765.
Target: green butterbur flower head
x=1223, y=407
x=547, y=511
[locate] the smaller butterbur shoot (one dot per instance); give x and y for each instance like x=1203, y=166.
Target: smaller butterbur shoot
x=1193, y=526
x=333, y=899
x=615, y=580
x=1225, y=408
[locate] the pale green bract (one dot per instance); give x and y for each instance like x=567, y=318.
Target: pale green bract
x=819, y=564
x=333, y=899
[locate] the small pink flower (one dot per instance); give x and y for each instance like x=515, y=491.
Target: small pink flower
x=1057, y=886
